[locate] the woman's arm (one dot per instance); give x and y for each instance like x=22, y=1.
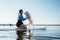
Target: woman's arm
x=23, y=18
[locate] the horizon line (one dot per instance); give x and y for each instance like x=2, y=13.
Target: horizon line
x=32, y=24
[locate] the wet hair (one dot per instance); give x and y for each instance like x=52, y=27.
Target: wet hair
x=20, y=10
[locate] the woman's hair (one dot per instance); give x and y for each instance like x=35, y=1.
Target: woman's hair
x=20, y=11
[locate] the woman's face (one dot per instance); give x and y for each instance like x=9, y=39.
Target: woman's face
x=21, y=11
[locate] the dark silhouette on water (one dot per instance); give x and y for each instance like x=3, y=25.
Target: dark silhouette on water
x=29, y=36
x=20, y=35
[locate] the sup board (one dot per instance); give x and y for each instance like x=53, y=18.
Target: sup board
x=22, y=29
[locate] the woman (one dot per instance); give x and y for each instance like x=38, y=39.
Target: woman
x=19, y=23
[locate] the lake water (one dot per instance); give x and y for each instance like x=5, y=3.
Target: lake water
x=51, y=33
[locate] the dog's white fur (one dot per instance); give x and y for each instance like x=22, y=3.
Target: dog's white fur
x=29, y=17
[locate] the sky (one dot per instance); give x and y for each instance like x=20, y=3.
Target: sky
x=42, y=11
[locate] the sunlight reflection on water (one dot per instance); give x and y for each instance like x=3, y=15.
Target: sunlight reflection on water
x=51, y=31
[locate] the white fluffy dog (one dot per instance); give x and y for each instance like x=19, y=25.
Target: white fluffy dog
x=29, y=17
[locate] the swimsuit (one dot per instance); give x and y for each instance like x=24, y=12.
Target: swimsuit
x=20, y=19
